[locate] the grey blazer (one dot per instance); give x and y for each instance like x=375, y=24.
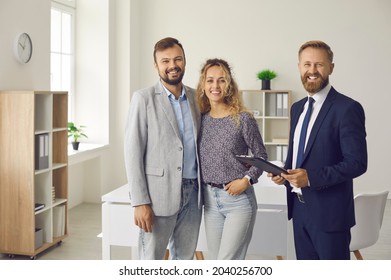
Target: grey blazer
x=154, y=150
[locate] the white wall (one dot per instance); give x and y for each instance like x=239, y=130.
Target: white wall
x=92, y=68
x=250, y=34
x=32, y=17
x=257, y=34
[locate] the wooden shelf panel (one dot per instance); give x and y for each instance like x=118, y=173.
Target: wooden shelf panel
x=60, y=110
x=24, y=115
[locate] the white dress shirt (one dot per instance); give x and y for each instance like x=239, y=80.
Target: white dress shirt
x=319, y=98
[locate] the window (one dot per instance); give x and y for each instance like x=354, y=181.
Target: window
x=76, y=68
x=62, y=70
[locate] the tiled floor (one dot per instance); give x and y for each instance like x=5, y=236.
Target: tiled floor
x=83, y=242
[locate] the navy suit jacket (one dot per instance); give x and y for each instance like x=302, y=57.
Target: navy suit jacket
x=336, y=153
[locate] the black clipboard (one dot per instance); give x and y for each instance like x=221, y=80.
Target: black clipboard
x=263, y=164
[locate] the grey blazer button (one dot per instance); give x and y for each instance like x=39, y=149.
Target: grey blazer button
x=179, y=168
x=180, y=149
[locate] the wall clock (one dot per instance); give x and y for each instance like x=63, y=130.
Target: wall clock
x=23, y=48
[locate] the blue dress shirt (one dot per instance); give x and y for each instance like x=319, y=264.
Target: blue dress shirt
x=185, y=125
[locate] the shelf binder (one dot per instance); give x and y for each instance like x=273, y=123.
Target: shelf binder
x=279, y=155
x=285, y=105
x=38, y=237
x=284, y=153
x=271, y=104
x=41, y=151
x=279, y=104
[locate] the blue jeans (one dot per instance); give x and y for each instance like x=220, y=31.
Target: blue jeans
x=229, y=222
x=179, y=231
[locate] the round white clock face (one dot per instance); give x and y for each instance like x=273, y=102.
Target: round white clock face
x=23, y=48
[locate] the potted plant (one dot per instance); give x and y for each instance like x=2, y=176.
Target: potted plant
x=266, y=75
x=76, y=133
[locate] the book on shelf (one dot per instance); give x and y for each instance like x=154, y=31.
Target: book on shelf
x=279, y=110
x=38, y=237
x=271, y=104
x=39, y=206
x=53, y=194
x=281, y=152
x=282, y=104
x=41, y=151
x=58, y=220
x=285, y=105
x=284, y=153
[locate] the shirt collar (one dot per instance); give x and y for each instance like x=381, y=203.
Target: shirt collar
x=172, y=96
x=321, y=95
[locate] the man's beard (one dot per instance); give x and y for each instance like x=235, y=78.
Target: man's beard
x=314, y=87
x=176, y=81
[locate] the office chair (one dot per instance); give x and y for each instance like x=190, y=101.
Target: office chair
x=369, y=210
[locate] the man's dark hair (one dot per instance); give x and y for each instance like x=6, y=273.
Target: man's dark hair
x=166, y=43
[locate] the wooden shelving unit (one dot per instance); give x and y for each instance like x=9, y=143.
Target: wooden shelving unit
x=271, y=109
x=24, y=115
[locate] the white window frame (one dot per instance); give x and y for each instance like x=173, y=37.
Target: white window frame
x=70, y=8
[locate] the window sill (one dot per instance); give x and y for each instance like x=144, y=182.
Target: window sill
x=86, y=151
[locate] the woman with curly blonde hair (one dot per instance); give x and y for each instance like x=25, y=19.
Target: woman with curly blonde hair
x=227, y=129
x=231, y=96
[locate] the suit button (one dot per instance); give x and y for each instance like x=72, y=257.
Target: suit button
x=179, y=168
x=180, y=149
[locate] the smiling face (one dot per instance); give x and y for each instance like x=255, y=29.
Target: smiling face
x=315, y=68
x=215, y=84
x=170, y=64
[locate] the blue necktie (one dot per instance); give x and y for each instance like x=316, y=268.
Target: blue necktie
x=303, y=133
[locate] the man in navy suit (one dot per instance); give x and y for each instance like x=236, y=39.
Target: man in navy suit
x=320, y=185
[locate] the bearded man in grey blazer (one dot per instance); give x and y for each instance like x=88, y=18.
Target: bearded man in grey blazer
x=161, y=159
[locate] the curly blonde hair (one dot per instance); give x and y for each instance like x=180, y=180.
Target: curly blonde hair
x=231, y=94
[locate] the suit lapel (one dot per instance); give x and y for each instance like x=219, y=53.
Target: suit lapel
x=319, y=120
x=194, y=112
x=162, y=98
x=297, y=113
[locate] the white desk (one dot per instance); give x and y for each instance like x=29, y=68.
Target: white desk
x=118, y=227
x=272, y=234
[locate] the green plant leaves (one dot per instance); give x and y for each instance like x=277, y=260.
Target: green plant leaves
x=76, y=132
x=266, y=74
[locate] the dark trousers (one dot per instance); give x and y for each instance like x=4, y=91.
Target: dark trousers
x=312, y=243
